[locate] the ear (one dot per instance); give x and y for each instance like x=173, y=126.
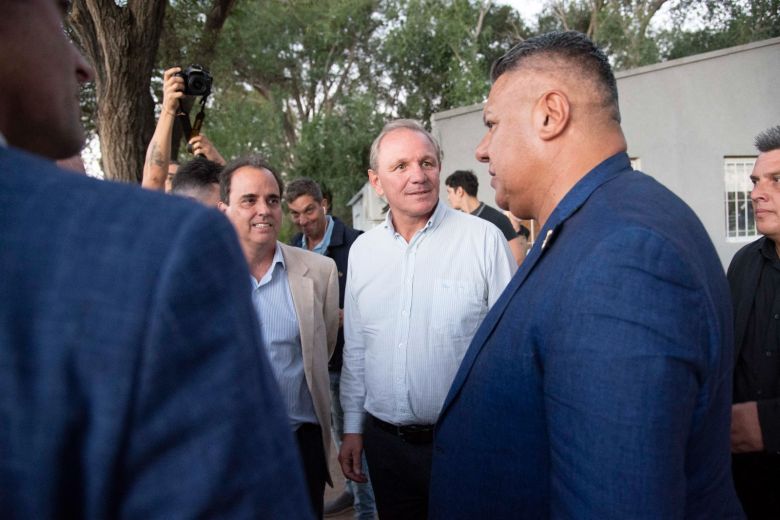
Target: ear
x=373, y=178
x=325, y=204
x=221, y=206
x=552, y=114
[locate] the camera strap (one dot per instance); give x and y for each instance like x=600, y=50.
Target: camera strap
x=190, y=130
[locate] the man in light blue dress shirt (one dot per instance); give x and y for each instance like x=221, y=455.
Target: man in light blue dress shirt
x=418, y=287
x=295, y=294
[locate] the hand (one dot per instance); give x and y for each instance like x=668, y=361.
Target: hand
x=173, y=91
x=745, y=428
x=201, y=145
x=350, y=457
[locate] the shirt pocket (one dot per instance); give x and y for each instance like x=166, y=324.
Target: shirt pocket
x=458, y=309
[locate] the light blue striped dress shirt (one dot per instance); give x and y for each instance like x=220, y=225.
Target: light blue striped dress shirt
x=411, y=310
x=279, y=322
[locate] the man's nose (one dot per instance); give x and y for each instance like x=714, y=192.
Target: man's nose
x=757, y=192
x=84, y=72
x=481, y=152
x=417, y=173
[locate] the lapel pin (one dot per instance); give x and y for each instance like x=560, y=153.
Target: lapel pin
x=547, y=238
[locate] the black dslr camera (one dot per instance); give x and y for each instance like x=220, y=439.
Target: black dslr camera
x=197, y=81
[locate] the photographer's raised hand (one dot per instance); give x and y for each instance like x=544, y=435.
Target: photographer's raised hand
x=201, y=145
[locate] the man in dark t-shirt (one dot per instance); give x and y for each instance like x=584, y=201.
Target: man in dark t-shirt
x=462, y=186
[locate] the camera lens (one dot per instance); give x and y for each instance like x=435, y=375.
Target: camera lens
x=197, y=85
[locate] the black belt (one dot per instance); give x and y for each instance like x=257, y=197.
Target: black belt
x=411, y=433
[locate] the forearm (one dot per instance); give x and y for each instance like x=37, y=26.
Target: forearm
x=353, y=389
x=158, y=153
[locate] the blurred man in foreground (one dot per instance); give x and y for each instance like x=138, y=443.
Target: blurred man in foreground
x=133, y=385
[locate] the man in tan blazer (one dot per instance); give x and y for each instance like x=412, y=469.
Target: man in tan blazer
x=296, y=296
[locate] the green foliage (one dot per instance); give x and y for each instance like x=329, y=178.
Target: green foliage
x=722, y=23
x=333, y=150
x=620, y=27
x=309, y=83
x=435, y=55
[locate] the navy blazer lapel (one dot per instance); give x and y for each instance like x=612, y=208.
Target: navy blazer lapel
x=569, y=205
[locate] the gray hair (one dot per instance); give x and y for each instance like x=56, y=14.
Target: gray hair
x=768, y=140
x=408, y=124
x=577, y=50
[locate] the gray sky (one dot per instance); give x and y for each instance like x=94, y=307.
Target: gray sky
x=528, y=9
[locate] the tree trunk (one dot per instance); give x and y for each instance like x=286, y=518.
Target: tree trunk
x=121, y=43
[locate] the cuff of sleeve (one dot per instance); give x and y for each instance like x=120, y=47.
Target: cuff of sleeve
x=353, y=422
x=769, y=419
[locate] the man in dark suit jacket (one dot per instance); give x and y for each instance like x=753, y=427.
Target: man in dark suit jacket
x=132, y=384
x=599, y=384
x=754, y=277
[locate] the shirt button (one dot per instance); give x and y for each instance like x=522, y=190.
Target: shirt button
x=769, y=354
x=404, y=313
x=759, y=392
x=400, y=345
x=776, y=316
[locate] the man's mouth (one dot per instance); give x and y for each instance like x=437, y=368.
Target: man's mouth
x=261, y=225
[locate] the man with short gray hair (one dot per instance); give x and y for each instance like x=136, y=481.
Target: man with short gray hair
x=754, y=277
x=418, y=287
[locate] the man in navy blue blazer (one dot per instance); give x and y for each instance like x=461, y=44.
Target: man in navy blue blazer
x=599, y=384
x=132, y=384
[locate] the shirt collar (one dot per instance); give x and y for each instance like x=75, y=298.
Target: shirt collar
x=768, y=250
x=433, y=221
x=278, y=259
x=323, y=244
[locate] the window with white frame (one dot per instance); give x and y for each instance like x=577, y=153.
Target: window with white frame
x=740, y=224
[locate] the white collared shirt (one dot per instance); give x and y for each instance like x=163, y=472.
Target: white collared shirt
x=411, y=310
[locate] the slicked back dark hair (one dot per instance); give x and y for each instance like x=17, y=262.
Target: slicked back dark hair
x=574, y=47
x=252, y=161
x=301, y=187
x=198, y=173
x=463, y=179
x=768, y=140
